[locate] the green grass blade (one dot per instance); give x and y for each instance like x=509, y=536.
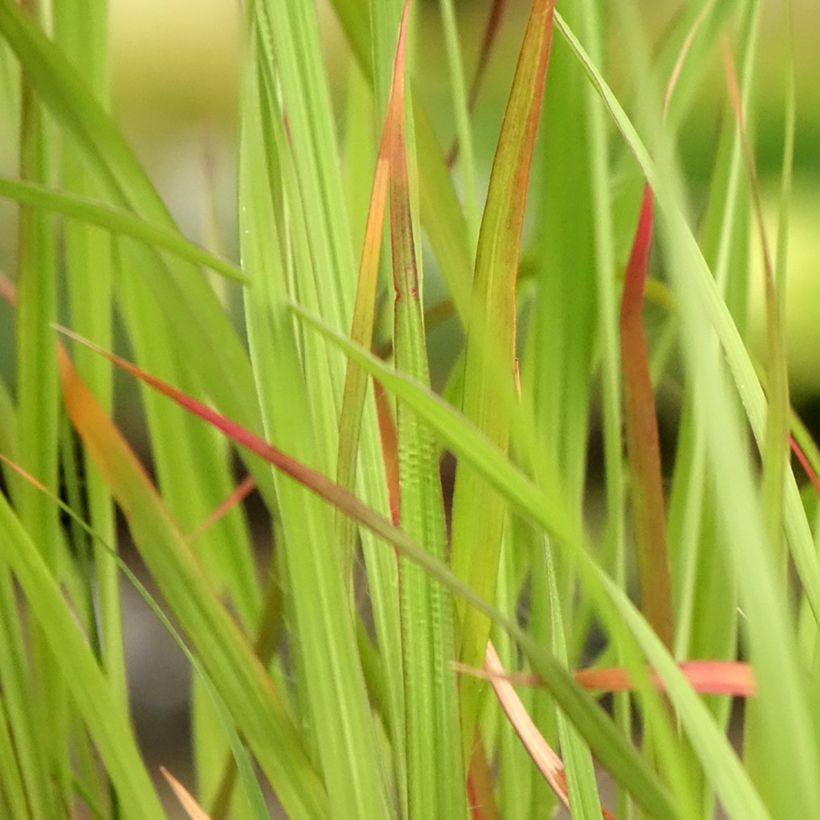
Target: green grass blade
x=119, y=221
x=37, y=401
x=333, y=691
x=433, y=753
x=462, y=117
x=583, y=790
x=478, y=511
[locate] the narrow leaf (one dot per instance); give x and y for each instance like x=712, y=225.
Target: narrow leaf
x=478, y=511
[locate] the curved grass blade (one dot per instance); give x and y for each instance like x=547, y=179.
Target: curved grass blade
x=478, y=511
x=548, y=763
x=119, y=221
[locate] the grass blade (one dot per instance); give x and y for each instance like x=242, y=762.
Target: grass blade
x=433, y=755
x=642, y=439
x=478, y=511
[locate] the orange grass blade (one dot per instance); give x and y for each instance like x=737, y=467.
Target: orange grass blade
x=237, y=496
x=361, y=332
x=734, y=678
x=186, y=800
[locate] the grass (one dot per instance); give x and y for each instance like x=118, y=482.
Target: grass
x=407, y=651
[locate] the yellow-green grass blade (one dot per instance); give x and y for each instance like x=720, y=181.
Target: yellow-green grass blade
x=91, y=211
x=20, y=702
x=607, y=331
x=223, y=651
x=435, y=779
x=12, y=794
x=707, y=611
x=458, y=89
x=37, y=406
x=91, y=693
x=338, y=718
x=478, y=511
x=356, y=381
x=306, y=220
x=81, y=31
x=776, y=449
x=350, y=419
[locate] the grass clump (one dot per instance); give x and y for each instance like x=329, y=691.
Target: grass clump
x=407, y=650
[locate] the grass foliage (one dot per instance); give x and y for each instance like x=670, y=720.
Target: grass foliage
x=343, y=676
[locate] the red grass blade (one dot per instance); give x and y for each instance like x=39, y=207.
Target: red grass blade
x=654, y=576
x=805, y=464
x=237, y=496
